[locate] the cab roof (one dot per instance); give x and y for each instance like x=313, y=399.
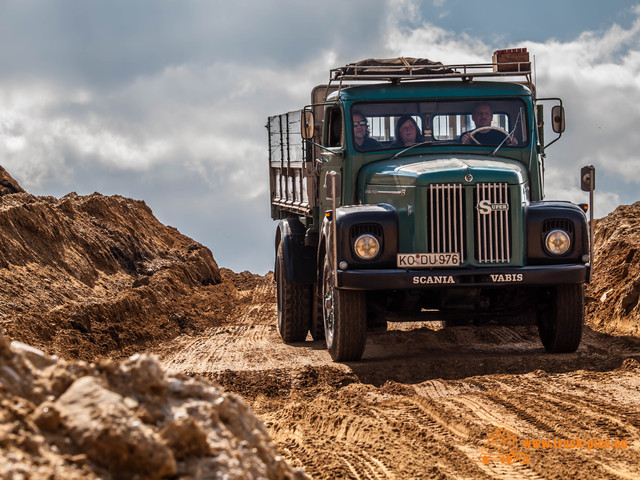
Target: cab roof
x=429, y=90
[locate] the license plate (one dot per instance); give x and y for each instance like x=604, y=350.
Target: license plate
x=427, y=260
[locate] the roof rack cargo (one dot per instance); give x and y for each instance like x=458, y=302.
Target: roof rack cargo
x=511, y=62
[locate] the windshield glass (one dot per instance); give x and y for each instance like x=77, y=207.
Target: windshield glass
x=379, y=126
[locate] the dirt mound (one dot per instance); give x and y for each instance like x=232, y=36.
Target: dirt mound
x=244, y=280
x=130, y=419
x=96, y=278
x=613, y=302
x=84, y=276
x=7, y=184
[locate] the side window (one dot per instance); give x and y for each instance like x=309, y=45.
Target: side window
x=335, y=130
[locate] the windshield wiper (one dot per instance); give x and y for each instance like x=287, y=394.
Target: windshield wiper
x=493, y=154
x=421, y=144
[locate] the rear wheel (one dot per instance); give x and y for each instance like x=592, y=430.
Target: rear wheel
x=560, y=323
x=294, y=304
x=345, y=318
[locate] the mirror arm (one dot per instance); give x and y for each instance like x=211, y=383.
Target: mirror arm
x=326, y=149
x=553, y=141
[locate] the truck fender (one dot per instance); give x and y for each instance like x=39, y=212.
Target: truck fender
x=299, y=259
x=383, y=215
x=537, y=213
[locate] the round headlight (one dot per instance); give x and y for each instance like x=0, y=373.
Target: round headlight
x=366, y=246
x=557, y=242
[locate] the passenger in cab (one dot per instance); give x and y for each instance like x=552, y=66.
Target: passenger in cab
x=361, y=136
x=407, y=132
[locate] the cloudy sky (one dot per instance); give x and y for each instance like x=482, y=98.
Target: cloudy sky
x=166, y=101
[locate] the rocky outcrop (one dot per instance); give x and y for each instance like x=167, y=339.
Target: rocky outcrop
x=124, y=420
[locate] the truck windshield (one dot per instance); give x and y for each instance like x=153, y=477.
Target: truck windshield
x=392, y=125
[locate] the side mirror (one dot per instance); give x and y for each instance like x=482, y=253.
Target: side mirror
x=307, y=127
x=557, y=119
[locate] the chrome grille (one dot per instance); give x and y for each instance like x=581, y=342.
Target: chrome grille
x=446, y=219
x=493, y=225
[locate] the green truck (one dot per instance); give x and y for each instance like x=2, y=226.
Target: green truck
x=409, y=190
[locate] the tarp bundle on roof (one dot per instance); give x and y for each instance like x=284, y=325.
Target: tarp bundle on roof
x=402, y=66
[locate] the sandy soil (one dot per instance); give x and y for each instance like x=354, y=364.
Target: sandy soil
x=427, y=402
x=94, y=280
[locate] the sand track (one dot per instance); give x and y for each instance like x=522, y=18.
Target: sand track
x=96, y=279
x=427, y=402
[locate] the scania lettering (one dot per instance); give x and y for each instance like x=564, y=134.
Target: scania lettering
x=424, y=280
x=410, y=190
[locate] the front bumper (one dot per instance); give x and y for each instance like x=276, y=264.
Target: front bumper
x=397, y=279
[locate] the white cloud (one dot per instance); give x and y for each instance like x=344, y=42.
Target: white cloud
x=436, y=44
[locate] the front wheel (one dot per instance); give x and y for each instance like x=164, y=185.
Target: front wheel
x=294, y=304
x=345, y=318
x=317, y=320
x=560, y=323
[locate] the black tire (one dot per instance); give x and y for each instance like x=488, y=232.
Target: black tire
x=317, y=320
x=560, y=323
x=345, y=318
x=294, y=304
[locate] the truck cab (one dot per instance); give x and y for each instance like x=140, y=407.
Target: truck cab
x=413, y=191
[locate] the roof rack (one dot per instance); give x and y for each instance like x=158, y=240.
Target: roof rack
x=505, y=63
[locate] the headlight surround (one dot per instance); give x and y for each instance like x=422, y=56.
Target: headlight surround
x=557, y=242
x=366, y=247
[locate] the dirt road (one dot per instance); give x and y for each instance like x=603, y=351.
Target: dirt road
x=93, y=279
x=427, y=402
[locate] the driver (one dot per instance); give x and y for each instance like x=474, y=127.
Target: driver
x=482, y=116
